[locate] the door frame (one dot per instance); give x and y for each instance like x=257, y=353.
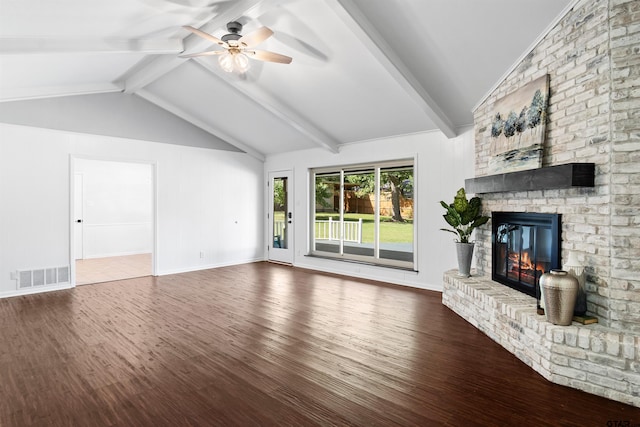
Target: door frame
x=277, y=254
x=154, y=208
x=78, y=230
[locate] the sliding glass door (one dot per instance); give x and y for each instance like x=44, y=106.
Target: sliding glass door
x=365, y=213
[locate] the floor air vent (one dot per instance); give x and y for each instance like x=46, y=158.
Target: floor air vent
x=42, y=277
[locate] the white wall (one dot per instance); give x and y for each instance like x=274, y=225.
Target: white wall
x=115, y=114
x=442, y=165
x=117, y=208
x=208, y=201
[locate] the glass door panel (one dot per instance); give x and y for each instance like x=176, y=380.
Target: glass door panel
x=396, y=213
x=326, y=224
x=279, y=214
x=281, y=217
x=357, y=228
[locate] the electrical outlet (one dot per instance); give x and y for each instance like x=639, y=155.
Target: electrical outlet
x=201, y=254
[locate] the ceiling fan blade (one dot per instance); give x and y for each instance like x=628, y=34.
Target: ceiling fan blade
x=256, y=37
x=207, y=53
x=206, y=36
x=262, y=55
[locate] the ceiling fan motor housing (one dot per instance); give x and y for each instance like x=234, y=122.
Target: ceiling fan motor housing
x=234, y=29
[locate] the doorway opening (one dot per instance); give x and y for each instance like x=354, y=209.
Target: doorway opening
x=113, y=220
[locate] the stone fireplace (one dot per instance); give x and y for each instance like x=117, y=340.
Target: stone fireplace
x=592, y=117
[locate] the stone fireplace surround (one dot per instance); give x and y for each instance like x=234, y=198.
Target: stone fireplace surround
x=596, y=358
x=592, y=358
x=592, y=117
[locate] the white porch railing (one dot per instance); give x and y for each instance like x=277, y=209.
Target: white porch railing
x=329, y=230
x=278, y=228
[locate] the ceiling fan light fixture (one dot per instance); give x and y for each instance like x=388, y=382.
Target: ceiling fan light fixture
x=241, y=62
x=234, y=61
x=226, y=62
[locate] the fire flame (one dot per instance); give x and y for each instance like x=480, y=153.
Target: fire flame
x=525, y=263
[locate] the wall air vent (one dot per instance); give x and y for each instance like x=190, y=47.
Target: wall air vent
x=42, y=277
x=38, y=277
x=51, y=276
x=24, y=279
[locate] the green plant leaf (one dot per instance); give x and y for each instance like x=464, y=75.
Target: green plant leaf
x=460, y=203
x=472, y=211
x=475, y=203
x=452, y=218
x=468, y=215
x=480, y=221
x=450, y=231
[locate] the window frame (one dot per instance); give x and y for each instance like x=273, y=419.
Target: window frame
x=365, y=259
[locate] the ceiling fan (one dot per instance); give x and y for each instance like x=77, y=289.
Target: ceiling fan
x=238, y=48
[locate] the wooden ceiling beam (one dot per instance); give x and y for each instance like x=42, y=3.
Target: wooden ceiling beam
x=156, y=100
x=36, y=45
x=277, y=108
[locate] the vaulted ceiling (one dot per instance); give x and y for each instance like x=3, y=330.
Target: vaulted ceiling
x=362, y=69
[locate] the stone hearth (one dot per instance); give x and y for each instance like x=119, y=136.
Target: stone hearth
x=592, y=358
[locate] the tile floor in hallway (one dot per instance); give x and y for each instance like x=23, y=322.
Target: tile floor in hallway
x=96, y=270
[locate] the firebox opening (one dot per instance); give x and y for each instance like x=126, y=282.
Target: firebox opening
x=524, y=246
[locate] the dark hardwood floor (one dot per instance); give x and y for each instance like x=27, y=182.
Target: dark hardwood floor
x=264, y=344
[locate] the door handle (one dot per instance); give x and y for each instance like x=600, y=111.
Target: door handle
x=78, y=221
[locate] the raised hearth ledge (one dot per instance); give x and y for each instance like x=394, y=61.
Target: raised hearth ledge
x=592, y=358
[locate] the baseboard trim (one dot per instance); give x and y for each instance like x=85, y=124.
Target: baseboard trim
x=207, y=267
x=115, y=254
x=37, y=290
x=373, y=276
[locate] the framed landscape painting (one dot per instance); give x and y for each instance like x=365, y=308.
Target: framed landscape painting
x=518, y=128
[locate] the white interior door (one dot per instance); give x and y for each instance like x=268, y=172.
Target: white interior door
x=281, y=217
x=77, y=216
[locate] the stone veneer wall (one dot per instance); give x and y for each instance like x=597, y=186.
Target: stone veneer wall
x=593, y=59
x=592, y=358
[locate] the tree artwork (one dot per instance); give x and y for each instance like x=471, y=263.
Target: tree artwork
x=497, y=126
x=510, y=125
x=538, y=106
x=530, y=117
x=517, y=128
x=521, y=122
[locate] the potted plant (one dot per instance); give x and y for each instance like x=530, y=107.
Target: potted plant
x=463, y=216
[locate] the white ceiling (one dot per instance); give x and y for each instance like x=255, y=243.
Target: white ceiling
x=362, y=69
